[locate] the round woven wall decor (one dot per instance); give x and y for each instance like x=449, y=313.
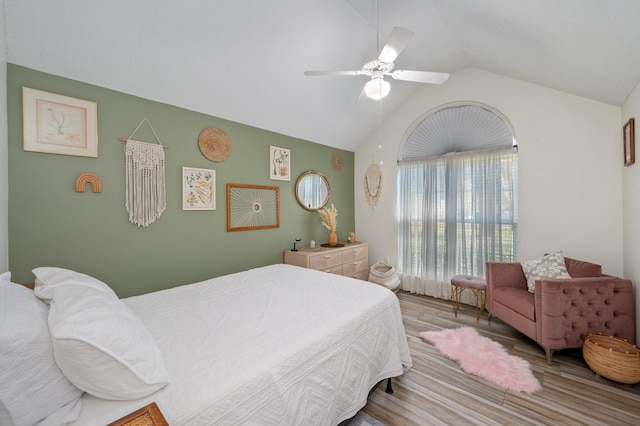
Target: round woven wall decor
x=337, y=161
x=214, y=144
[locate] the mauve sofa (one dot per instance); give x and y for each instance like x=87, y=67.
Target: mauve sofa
x=561, y=311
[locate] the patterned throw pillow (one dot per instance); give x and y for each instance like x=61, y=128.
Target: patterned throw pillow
x=548, y=266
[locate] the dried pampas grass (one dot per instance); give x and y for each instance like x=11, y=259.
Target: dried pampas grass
x=328, y=217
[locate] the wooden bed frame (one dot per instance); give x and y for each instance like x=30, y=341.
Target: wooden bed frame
x=149, y=415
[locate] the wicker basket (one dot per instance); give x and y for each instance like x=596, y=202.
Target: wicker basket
x=612, y=357
x=384, y=275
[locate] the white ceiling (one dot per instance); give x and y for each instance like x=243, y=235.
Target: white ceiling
x=243, y=60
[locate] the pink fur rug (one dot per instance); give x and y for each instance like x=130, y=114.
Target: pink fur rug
x=481, y=356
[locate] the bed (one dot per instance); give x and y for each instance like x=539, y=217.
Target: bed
x=273, y=345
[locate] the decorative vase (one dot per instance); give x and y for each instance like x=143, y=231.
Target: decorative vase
x=333, y=238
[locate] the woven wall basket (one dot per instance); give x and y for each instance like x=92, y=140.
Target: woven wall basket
x=612, y=357
x=214, y=144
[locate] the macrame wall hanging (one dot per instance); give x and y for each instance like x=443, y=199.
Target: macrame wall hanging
x=373, y=185
x=145, y=182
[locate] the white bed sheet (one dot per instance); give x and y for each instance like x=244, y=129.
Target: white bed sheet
x=277, y=345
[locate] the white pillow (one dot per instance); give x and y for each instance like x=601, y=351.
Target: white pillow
x=98, y=342
x=549, y=266
x=32, y=387
x=49, y=279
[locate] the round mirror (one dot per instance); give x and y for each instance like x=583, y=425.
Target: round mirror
x=312, y=190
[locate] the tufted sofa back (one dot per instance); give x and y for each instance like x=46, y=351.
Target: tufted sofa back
x=582, y=269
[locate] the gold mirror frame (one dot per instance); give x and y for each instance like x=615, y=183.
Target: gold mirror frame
x=306, y=183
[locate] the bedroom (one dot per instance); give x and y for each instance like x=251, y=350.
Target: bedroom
x=593, y=218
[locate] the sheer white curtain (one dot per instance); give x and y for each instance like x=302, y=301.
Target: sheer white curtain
x=454, y=213
x=312, y=191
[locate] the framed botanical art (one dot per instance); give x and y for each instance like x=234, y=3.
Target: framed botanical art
x=279, y=163
x=252, y=207
x=628, y=135
x=198, y=189
x=58, y=124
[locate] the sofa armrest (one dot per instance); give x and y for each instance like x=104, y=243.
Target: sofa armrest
x=566, y=309
x=503, y=274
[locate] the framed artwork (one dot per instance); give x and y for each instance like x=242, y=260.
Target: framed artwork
x=279, y=163
x=198, y=189
x=251, y=207
x=58, y=124
x=628, y=134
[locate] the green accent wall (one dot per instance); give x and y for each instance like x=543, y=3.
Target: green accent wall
x=52, y=225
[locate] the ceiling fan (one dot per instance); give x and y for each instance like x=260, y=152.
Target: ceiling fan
x=377, y=88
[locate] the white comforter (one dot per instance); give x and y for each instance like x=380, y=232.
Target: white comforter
x=278, y=345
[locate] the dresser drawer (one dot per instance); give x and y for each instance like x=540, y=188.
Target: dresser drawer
x=362, y=275
x=359, y=252
x=325, y=260
x=354, y=266
x=334, y=270
x=350, y=259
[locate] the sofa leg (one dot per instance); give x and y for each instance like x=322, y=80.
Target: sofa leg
x=489, y=318
x=549, y=353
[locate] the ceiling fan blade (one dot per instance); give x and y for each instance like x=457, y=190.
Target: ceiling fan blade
x=312, y=73
x=395, y=44
x=420, y=76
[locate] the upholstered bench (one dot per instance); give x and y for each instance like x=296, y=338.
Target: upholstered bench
x=477, y=285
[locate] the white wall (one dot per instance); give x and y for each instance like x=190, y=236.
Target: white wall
x=631, y=195
x=4, y=174
x=570, y=174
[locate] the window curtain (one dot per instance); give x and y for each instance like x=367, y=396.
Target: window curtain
x=454, y=213
x=311, y=191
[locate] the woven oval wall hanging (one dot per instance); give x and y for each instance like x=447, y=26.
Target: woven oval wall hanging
x=214, y=144
x=373, y=185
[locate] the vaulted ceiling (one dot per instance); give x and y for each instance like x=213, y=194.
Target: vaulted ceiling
x=244, y=60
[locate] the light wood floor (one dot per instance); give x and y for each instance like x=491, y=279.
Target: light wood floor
x=437, y=392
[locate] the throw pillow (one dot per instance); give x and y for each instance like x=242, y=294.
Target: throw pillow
x=548, y=266
x=32, y=387
x=99, y=343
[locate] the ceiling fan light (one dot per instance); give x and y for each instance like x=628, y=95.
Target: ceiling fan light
x=377, y=88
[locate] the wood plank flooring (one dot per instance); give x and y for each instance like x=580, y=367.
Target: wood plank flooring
x=437, y=392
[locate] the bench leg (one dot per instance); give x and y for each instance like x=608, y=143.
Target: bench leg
x=481, y=301
x=455, y=298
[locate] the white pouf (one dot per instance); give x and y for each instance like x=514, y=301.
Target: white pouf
x=385, y=275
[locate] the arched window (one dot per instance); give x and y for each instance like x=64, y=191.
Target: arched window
x=457, y=197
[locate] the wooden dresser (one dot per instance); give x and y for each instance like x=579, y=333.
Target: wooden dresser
x=352, y=260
